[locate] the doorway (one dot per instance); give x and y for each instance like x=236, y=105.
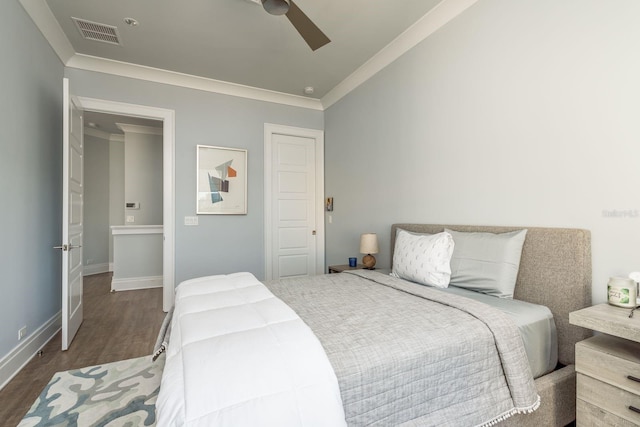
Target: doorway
x=122, y=162
x=167, y=117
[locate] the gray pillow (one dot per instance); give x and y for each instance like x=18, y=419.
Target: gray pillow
x=487, y=262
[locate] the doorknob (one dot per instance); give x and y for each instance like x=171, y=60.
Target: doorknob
x=67, y=247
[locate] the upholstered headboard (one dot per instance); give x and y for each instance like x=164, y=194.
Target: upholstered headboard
x=555, y=271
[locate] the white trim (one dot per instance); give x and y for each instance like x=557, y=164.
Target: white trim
x=136, y=229
x=125, y=69
x=97, y=133
x=91, y=269
x=148, y=130
x=318, y=136
x=46, y=22
x=135, y=283
x=168, y=209
x=435, y=19
x=17, y=358
x=168, y=178
x=116, y=137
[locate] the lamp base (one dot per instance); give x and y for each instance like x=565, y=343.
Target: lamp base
x=369, y=262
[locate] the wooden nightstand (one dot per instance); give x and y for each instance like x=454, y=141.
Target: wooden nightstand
x=608, y=367
x=344, y=267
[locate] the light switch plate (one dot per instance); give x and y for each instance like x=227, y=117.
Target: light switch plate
x=190, y=220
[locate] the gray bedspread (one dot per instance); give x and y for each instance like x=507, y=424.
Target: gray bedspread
x=405, y=354
x=535, y=323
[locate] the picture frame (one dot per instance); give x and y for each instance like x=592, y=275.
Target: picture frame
x=221, y=181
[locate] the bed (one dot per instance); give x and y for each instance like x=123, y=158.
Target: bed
x=370, y=349
x=555, y=271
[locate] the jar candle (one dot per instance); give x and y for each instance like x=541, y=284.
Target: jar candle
x=622, y=291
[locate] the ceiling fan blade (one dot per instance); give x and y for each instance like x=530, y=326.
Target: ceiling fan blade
x=311, y=34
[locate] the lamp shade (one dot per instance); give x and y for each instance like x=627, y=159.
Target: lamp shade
x=369, y=243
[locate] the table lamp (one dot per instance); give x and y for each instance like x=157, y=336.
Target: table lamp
x=368, y=246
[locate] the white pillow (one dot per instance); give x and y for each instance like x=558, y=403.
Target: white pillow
x=423, y=258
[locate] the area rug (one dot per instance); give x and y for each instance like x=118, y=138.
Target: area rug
x=122, y=394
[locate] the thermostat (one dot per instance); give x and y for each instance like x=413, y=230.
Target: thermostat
x=132, y=205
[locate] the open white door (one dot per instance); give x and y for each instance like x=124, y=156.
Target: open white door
x=72, y=221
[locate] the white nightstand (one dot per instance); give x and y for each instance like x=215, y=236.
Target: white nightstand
x=608, y=367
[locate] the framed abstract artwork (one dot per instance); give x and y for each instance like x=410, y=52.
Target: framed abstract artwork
x=221, y=180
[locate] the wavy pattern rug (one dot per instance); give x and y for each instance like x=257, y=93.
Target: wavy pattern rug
x=122, y=393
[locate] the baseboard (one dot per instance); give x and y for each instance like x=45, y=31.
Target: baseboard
x=134, y=283
x=13, y=362
x=88, y=270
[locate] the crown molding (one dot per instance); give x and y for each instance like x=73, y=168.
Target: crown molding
x=97, y=133
x=141, y=72
x=435, y=19
x=42, y=16
x=148, y=130
x=439, y=16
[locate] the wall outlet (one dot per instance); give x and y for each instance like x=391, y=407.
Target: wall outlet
x=22, y=332
x=131, y=218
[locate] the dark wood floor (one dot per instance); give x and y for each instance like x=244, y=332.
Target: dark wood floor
x=116, y=326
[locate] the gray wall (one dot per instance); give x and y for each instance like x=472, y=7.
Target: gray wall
x=116, y=185
x=95, y=249
x=30, y=188
x=515, y=113
x=143, y=177
x=137, y=256
x=221, y=243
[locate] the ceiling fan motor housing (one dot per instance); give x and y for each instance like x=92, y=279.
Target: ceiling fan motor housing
x=309, y=31
x=276, y=7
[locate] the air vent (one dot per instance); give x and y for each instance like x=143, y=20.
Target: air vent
x=97, y=32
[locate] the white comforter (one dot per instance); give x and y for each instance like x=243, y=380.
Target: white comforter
x=239, y=356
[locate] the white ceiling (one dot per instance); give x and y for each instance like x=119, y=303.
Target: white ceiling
x=236, y=41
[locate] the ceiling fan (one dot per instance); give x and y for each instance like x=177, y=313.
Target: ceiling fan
x=311, y=34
